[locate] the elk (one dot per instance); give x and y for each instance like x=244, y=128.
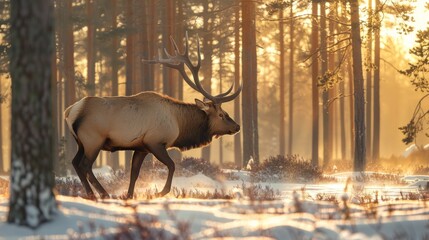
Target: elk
x=147, y=122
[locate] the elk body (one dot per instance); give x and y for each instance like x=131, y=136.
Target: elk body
x=147, y=122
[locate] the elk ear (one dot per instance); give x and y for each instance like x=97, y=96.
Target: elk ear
x=202, y=105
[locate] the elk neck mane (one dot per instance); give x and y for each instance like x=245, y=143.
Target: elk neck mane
x=194, y=129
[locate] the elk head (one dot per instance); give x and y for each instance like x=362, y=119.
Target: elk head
x=219, y=120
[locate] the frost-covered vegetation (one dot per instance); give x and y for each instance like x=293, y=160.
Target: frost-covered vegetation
x=286, y=169
x=282, y=198
x=210, y=179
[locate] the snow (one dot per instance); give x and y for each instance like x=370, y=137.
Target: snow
x=415, y=178
x=296, y=213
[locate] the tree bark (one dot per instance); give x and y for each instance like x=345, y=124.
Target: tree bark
x=114, y=49
x=69, y=73
x=237, y=137
x=114, y=157
x=325, y=94
x=207, y=68
x=351, y=106
x=359, y=101
x=282, y=80
x=342, y=118
x=369, y=84
x=291, y=78
x=152, y=40
x=32, y=201
x=179, y=39
x=249, y=93
x=376, y=141
x=129, y=62
x=331, y=108
x=168, y=30
x=220, y=91
x=342, y=89
x=314, y=88
x=90, y=47
x=56, y=117
x=2, y=168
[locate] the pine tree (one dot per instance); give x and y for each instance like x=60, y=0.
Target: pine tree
x=32, y=201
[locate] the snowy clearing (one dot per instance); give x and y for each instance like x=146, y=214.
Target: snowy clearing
x=300, y=211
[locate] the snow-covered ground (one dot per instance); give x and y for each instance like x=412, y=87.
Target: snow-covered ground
x=299, y=211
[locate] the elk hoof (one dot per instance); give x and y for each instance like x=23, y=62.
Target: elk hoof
x=126, y=196
x=105, y=196
x=90, y=197
x=161, y=194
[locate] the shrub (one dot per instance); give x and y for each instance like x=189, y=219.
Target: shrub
x=286, y=168
x=192, y=166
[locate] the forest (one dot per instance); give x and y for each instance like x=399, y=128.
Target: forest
x=313, y=74
x=312, y=86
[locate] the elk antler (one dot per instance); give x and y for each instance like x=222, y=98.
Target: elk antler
x=179, y=60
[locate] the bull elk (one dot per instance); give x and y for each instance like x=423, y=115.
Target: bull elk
x=147, y=122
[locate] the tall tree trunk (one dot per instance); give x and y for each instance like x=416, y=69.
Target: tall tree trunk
x=5, y=13
x=130, y=38
x=69, y=71
x=342, y=89
x=138, y=78
x=168, y=30
x=325, y=94
x=179, y=40
x=331, y=92
x=369, y=84
x=249, y=94
x=207, y=68
x=237, y=137
x=129, y=62
x=114, y=156
x=314, y=88
x=282, y=80
x=90, y=47
x=54, y=102
x=376, y=141
x=32, y=201
x=291, y=77
x=2, y=168
x=63, y=161
x=114, y=49
x=180, y=34
x=351, y=106
x=152, y=40
x=220, y=91
x=359, y=102
x=342, y=118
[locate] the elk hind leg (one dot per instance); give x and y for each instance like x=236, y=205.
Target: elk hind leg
x=88, y=161
x=77, y=161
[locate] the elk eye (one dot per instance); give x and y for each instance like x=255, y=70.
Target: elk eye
x=221, y=115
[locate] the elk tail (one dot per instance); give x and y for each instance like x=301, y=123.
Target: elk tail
x=73, y=117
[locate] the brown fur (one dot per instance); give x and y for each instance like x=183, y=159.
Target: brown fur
x=194, y=128
x=146, y=123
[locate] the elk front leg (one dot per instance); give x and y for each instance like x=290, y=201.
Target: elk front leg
x=136, y=164
x=160, y=152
